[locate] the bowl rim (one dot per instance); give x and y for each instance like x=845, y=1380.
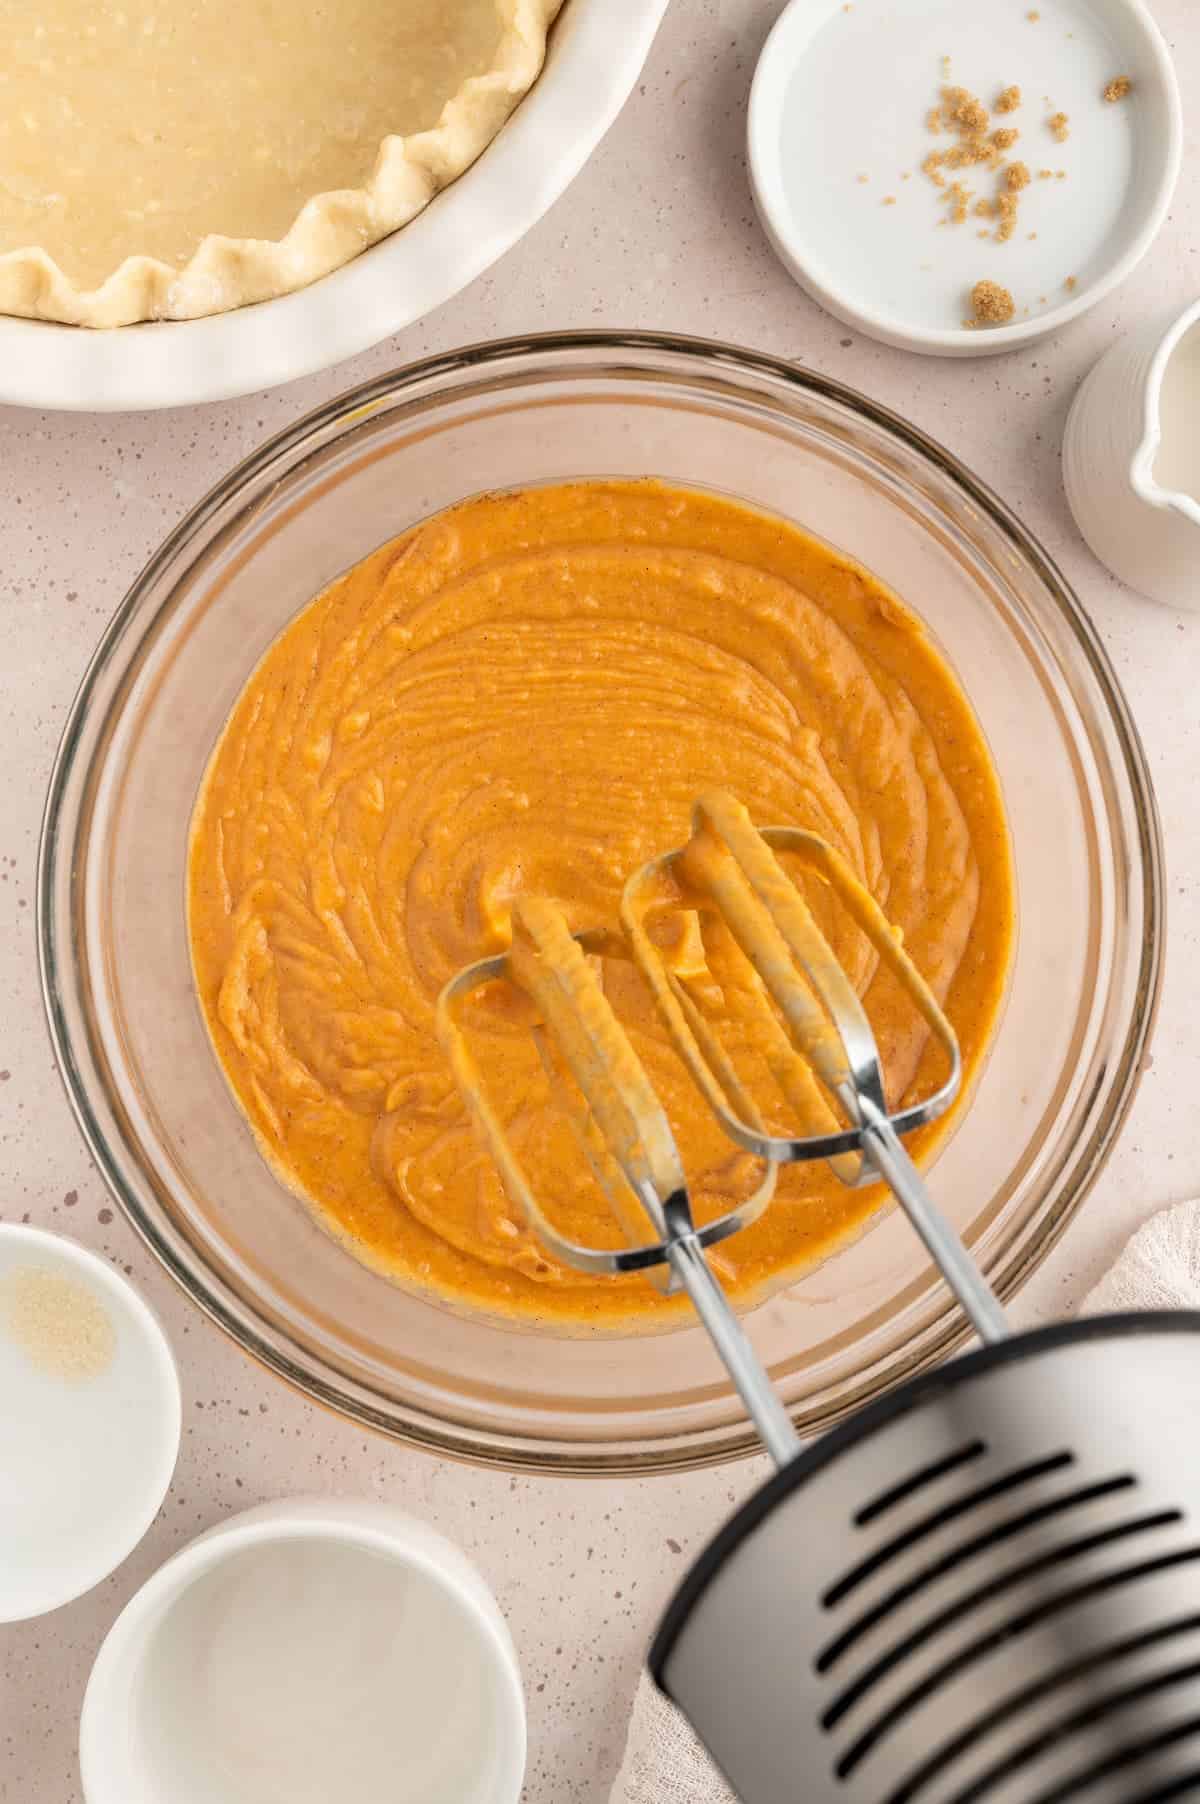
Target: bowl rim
x=777, y=219
x=685, y=1449
x=597, y=51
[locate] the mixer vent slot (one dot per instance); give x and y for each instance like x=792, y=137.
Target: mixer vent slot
x=1041, y=1687
x=927, y=1475
x=1187, y=1785
x=1005, y=1632
x=969, y=1601
x=929, y=1525
x=1079, y=1719
x=959, y=1555
x=1104, y=1769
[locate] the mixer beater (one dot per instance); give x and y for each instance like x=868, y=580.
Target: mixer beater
x=983, y=1587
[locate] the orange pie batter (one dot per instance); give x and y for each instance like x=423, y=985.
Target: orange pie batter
x=525, y=695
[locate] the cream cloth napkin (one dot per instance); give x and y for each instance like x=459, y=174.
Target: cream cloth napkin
x=664, y=1763
x=1159, y=1268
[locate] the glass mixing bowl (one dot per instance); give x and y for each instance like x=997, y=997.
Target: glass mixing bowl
x=117, y=979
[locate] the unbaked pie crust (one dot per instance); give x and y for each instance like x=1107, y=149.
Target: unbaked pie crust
x=235, y=114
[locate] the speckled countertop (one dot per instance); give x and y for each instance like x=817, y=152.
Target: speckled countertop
x=659, y=231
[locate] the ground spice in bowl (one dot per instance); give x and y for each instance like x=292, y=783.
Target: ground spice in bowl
x=59, y=1324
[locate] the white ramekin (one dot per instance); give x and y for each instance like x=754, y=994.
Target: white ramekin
x=452, y=1601
x=907, y=284
x=85, y=1460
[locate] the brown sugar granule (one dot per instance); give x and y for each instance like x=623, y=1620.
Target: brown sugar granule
x=63, y=1329
x=1060, y=175
x=1117, y=88
x=1033, y=17
x=970, y=152
x=1045, y=175
x=862, y=178
x=1008, y=100
x=1060, y=126
x=933, y=119
x=965, y=111
x=1071, y=283
x=992, y=304
x=960, y=201
x=965, y=115
x=889, y=200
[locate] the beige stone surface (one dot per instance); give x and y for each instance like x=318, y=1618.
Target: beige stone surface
x=658, y=231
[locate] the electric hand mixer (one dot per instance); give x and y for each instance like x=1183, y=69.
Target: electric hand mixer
x=986, y=1586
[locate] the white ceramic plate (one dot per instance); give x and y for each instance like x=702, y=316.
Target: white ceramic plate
x=596, y=53
x=842, y=92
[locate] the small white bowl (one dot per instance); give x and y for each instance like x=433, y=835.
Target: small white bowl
x=837, y=135
x=236, y=1673
x=89, y=1401
x=596, y=52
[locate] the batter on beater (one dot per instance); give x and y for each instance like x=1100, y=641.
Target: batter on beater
x=525, y=694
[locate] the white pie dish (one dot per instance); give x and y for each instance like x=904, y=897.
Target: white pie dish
x=596, y=52
x=837, y=135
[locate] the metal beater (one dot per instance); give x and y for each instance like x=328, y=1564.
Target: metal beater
x=984, y=1587
x=730, y=868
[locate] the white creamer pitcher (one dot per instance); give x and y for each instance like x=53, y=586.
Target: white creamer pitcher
x=1131, y=459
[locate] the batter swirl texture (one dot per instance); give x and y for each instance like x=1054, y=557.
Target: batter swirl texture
x=526, y=694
